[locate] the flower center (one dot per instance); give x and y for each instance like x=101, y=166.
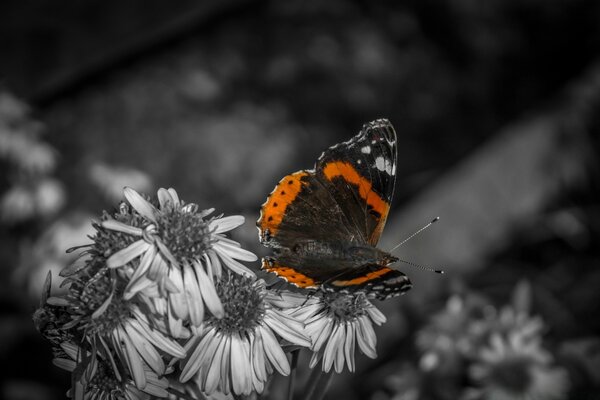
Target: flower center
x=512, y=374
x=185, y=234
x=92, y=295
x=105, y=382
x=243, y=302
x=345, y=307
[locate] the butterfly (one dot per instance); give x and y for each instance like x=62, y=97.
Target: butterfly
x=324, y=224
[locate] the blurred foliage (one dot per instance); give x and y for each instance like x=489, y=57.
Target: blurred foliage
x=231, y=102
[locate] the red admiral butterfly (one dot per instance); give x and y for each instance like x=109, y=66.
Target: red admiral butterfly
x=324, y=224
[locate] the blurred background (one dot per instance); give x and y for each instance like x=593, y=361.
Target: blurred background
x=496, y=108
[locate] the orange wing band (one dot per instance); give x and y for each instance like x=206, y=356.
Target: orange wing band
x=273, y=210
x=360, y=280
x=365, y=188
x=289, y=274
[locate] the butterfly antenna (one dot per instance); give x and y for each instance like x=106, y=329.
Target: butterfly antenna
x=433, y=221
x=437, y=271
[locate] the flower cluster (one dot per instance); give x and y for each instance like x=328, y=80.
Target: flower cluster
x=163, y=304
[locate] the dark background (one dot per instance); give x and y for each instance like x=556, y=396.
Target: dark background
x=495, y=104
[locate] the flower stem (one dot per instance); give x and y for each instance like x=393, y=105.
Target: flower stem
x=292, y=378
x=318, y=384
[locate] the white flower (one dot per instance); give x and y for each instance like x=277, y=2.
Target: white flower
x=336, y=322
x=177, y=251
x=237, y=354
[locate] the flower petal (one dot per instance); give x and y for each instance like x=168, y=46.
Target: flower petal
x=146, y=350
x=140, y=204
x=330, y=352
x=273, y=351
x=127, y=254
x=114, y=225
x=240, y=377
x=365, y=336
x=192, y=294
x=132, y=358
x=234, y=252
x=235, y=266
x=283, y=330
x=349, y=346
x=158, y=339
x=226, y=224
x=208, y=291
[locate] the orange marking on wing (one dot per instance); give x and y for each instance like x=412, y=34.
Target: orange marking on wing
x=365, y=188
x=289, y=274
x=273, y=210
x=362, y=279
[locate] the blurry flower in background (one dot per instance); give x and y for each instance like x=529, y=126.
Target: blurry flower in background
x=448, y=337
x=47, y=253
x=111, y=180
x=238, y=353
x=30, y=161
x=516, y=367
x=336, y=322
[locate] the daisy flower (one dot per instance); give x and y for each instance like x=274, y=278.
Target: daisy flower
x=517, y=368
x=173, y=248
x=113, y=327
x=238, y=353
x=103, y=384
x=335, y=322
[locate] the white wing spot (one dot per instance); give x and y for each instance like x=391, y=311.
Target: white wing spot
x=359, y=161
x=384, y=165
x=366, y=150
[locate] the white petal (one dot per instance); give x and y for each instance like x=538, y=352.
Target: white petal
x=377, y=316
x=236, y=266
x=331, y=348
x=164, y=199
x=226, y=224
x=258, y=357
x=140, y=204
x=115, y=225
x=166, y=252
x=138, y=281
x=240, y=377
x=215, y=264
x=192, y=294
x=211, y=380
x=349, y=346
x=174, y=196
x=127, y=254
x=339, y=354
x=273, y=351
x=234, y=252
x=285, y=331
x=209, y=293
x=207, y=345
x=177, y=301
x=365, y=336
x=146, y=350
x=225, y=378
x=158, y=339
x=322, y=334
x=132, y=358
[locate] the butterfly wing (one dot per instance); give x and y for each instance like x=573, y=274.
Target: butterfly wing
x=360, y=175
x=375, y=280
x=300, y=209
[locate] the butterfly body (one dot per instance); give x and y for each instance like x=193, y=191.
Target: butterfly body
x=324, y=224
